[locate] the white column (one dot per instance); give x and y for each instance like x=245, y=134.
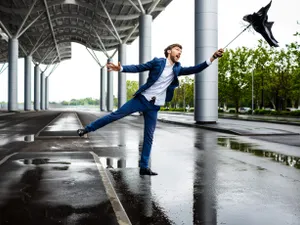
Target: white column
x=42, y=91
x=27, y=83
x=103, y=89
x=47, y=93
x=13, y=54
x=206, y=43
x=36, y=87
x=145, y=44
x=110, y=94
x=122, y=89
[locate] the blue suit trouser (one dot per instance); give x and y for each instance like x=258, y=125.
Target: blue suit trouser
x=137, y=104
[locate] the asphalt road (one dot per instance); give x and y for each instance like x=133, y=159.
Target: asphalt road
x=50, y=176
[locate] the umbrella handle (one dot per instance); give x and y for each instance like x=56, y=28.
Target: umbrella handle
x=237, y=36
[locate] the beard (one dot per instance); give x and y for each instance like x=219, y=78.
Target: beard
x=173, y=59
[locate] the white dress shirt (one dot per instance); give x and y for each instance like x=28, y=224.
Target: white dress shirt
x=158, y=89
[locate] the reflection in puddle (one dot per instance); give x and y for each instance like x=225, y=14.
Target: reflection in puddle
x=233, y=144
x=111, y=163
x=15, y=138
x=29, y=138
x=60, y=167
x=41, y=161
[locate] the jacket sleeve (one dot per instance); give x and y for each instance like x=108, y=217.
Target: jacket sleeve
x=138, y=68
x=193, y=69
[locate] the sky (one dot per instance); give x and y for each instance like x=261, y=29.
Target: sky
x=80, y=77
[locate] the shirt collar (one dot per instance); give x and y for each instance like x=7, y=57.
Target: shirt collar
x=168, y=63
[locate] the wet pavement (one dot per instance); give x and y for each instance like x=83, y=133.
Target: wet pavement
x=244, y=127
x=207, y=175
x=53, y=188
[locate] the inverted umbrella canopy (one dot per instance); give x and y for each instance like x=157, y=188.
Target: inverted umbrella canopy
x=260, y=24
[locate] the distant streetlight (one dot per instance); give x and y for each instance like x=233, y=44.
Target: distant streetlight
x=252, y=90
x=183, y=98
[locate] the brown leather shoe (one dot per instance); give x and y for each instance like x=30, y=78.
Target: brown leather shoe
x=147, y=171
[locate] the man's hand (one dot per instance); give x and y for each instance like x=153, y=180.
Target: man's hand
x=217, y=54
x=113, y=67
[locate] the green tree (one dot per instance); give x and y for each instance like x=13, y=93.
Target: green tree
x=131, y=87
x=115, y=102
x=65, y=103
x=261, y=60
x=293, y=54
x=74, y=102
x=223, y=78
x=188, y=87
x=238, y=75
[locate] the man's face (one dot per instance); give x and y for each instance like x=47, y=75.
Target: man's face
x=175, y=53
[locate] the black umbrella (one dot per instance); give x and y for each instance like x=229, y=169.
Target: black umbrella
x=260, y=24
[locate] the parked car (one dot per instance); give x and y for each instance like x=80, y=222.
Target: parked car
x=269, y=109
x=244, y=109
x=230, y=110
x=291, y=109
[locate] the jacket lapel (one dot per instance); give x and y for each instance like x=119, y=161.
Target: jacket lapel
x=176, y=69
x=162, y=66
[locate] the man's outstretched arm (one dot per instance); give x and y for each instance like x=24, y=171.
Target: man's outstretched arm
x=198, y=68
x=130, y=68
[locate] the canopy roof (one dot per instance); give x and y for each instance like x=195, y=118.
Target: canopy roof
x=46, y=28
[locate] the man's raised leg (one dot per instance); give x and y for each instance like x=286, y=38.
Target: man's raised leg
x=128, y=108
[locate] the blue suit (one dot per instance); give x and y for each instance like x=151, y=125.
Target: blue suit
x=156, y=67
x=140, y=104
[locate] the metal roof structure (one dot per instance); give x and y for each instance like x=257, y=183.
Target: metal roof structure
x=46, y=28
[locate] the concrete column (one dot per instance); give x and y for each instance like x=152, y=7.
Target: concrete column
x=206, y=43
x=27, y=83
x=36, y=87
x=103, y=89
x=110, y=94
x=13, y=54
x=47, y=93
x=145, y=31
x=42, y=91
x=122, y=89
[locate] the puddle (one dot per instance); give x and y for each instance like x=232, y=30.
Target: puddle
x=233, y=144
x=60, y=167
x=15, y=138
x=41, y=161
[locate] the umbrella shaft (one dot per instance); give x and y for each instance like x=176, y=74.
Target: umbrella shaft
x=237, y=36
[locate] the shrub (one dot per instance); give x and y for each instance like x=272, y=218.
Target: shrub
x=274, y=113
x=262, y=112
x=295, y=113
x=284, y=113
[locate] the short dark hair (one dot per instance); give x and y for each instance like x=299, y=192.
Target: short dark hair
x=170, y=47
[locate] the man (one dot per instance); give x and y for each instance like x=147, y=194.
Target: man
x=159, y=88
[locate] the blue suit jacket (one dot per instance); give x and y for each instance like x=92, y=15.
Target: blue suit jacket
x=156, y=67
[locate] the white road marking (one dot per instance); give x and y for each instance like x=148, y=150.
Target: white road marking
x=112, y=195
x=7, y=157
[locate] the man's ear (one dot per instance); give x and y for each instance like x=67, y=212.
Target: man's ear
x=169, y=51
